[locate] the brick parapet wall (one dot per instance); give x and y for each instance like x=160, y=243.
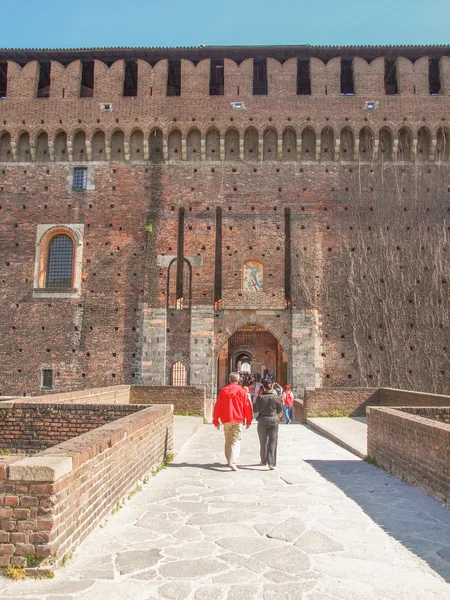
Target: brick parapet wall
x=185, y=399
x=323, y=401
x=354, y=401
x=412, y=446
x=393, y=397
x=51, y=515
x=30, y=427
x=433, y=413
x=118, y=394
x=189, y=398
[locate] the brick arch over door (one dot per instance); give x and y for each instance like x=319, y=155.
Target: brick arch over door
x=272, y=328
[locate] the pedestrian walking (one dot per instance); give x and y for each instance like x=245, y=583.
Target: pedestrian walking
x=233, y=409
x=288, y=402
x=268, y=406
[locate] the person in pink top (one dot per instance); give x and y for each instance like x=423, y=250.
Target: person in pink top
x=233, y=409
x=288, y=402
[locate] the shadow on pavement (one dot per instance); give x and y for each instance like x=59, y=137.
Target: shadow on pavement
x=405, y=512
x=221, y=467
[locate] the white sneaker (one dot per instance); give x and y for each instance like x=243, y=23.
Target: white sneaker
x=233, y=467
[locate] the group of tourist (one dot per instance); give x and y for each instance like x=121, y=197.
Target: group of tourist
x=235, y=407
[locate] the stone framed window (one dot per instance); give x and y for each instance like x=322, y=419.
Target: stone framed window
x=179, y=374
x=57, y=271
x=80, y=178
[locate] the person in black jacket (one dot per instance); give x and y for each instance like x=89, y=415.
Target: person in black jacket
x=269, y=408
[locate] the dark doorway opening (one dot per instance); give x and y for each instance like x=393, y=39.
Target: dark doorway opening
x=252, y=349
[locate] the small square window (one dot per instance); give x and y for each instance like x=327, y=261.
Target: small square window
x=47, y=379
x=80, y=178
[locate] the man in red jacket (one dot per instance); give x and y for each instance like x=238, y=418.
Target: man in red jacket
x=233, y=409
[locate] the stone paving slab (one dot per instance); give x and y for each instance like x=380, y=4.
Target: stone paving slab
x=324, y=526
x=349, y=432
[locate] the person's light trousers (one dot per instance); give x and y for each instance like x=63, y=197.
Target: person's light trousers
x=232, y=441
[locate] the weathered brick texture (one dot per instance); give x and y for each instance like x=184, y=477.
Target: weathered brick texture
x=354, y=401
x=280, y=151
x=52, y=517
x=409, y=444
x=31, y=427
x=191, y=399
x=185, y=399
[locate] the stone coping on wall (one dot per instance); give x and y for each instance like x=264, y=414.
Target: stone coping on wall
x=189, y=399
x=49, y=502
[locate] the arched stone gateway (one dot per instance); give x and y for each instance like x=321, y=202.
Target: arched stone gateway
x=252, y=348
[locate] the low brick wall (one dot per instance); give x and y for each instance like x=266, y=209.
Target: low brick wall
x=393, y=397
x=51, y=501
x=31, y=427
x=409, y=445
x=324, y=401
x=185, y=399
x=354, y=401
x=117, y=394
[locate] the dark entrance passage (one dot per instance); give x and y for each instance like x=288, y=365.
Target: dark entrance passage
x=252, y=349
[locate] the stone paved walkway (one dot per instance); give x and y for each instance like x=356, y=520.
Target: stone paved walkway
x=326, y=526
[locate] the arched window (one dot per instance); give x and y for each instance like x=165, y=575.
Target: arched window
x=270, y=145
x=327, y=144
x=308, y=144
x=5, y=147
x=347, y=144
x=213, y=145
x=232, y=145
x=98, y=146
x=174, y=144
x=156, y=145
x=423, y=144
x=59, y=269
x=252, y=276
x=61, y=146
x=385, y=145
x=79, y=146
x=23, y=148
x=442, y=144
x=365, y=144
x=251, y=144
x=193, y=143
x=137, y=145
x=179, y=374
x=117, y=146
x=289, y=144
x=42, y=154
x=404, y=144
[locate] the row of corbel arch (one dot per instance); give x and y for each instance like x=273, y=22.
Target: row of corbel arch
x=402, y=143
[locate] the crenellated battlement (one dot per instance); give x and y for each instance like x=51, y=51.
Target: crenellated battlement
x=230, y=72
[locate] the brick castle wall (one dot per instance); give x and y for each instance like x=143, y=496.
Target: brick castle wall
x=52, y=516
x=93, y=340
x=412, y=446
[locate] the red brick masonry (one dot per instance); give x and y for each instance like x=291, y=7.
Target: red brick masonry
x=185, y=399
x=408, y=444
x=353, y=401
x=51, y=501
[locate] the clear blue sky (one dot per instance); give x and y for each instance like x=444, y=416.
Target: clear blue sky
x=88, y=23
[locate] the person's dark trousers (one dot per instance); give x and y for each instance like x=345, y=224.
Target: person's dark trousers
x=268, y=441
